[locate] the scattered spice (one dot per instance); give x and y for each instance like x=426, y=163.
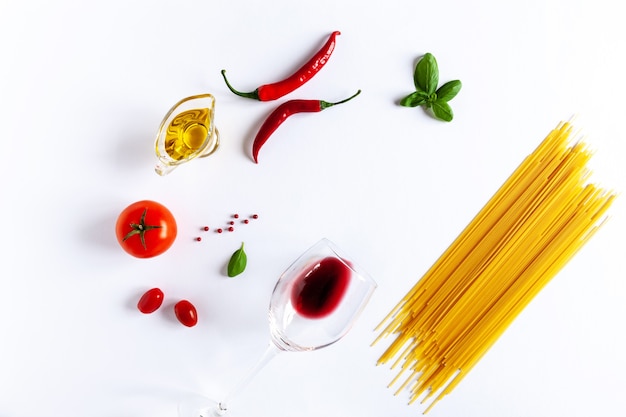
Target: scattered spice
x=230, y=223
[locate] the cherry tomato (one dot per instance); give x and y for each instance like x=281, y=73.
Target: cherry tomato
x=146, y=229
x=150, y=301
x=186, y=313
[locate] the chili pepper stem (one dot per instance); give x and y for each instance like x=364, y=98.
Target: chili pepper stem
x=252, y=94
x=326, y=104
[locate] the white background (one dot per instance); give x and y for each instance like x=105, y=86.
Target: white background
x=83, y=88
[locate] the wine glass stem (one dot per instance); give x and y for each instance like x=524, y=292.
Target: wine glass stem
x=270, y=352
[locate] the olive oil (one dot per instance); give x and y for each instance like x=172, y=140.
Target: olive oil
x=187, y=133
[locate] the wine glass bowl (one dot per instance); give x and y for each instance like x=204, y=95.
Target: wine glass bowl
x=317, y=299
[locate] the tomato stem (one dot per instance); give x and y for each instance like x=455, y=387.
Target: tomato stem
x=141, y=229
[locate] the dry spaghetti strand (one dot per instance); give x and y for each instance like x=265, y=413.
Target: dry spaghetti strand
x=531, y=227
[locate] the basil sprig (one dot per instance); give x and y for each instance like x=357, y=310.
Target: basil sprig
x=426, y=80
x=237, y=263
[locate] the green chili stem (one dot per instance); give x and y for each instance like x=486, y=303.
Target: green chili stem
x=326, y=104
x=253, y=94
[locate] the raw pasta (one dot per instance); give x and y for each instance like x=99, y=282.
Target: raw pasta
x=531, y=227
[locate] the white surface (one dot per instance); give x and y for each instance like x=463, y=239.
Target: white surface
x=83, y=87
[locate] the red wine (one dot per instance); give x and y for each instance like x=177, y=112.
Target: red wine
x=319, y=290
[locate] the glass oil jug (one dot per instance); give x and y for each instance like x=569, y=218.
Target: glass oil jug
x=187, y=132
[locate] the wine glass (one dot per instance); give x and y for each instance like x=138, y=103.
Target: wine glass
x=313, y=305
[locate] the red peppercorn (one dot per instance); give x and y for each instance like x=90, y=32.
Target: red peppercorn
x=246, y=221
x=206, y=228
x=236, y=216
x=231, y=229
x=219, y=230
x=255, y=216
x=198, y=239
x=231, y=222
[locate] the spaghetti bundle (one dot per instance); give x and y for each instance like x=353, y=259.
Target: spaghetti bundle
x=531, y=227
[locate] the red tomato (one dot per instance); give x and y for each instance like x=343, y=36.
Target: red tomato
x=146, y=229
x=186, y=313
x=150, y=301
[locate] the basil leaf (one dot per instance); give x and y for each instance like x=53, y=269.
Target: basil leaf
x=433, y=99
x=449, y=90
x=426, y=75
x=442, y=110
x=414, y=99
x=237, y=263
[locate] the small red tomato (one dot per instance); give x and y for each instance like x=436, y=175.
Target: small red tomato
x=146, y=229
x=150, y=301
x=186, y=313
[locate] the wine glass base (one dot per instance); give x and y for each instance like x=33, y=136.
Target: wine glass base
x=199, y=406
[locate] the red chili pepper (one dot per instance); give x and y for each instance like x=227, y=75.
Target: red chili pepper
x=269, y=92
x=282, y=112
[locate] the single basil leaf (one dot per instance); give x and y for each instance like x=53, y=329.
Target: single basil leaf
x=426, y=75
x=442, y=110
x=414, y=99
x=237, y=263
x=449, y=90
